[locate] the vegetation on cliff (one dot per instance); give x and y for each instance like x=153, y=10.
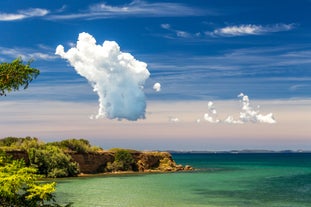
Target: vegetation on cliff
x=123, y=161
x=51, y=159
x=52, y=162
x=76, y=145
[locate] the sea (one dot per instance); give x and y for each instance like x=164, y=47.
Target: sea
x=219, y=180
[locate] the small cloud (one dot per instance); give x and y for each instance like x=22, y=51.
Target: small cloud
x=210, y=119
x=157, y=87
x=166, y=26
x=174, y=119
x=211, y=107
x=230, y=120
x=183, y=34
x=248, y=114
x=178, y=33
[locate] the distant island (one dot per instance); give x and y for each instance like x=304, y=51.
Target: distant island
x=244, y=151
x=76, y=157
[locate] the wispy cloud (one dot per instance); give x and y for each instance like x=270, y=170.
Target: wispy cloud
x=136, y=8
x=232, y=70
x=250, y=29
x=179, y=33
x=23, y=14
x=28, y=53
x=229, y=31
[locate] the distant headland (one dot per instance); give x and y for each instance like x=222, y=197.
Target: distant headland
x=244, y=151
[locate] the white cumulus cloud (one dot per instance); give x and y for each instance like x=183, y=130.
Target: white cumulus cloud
x=249, y=114
x=212, y=110
x=211, y=107
x=210, y=119
x=157, y=87
x=117, y=77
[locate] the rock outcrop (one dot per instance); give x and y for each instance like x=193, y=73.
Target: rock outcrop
x=94, y=162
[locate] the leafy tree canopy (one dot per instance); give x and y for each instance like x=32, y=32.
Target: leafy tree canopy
x=19, y=185
x=123, y=161
x=15, y=75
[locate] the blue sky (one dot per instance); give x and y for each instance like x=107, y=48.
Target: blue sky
x=198, y=50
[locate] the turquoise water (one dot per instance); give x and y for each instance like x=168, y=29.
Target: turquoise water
x=233, y=180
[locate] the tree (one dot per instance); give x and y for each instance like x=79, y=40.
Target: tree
x=15, y=75
x=19, y=186
x=123, y=160
x=52, y=162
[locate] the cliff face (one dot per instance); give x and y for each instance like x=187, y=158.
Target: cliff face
x=92, y=162
x=96, y=162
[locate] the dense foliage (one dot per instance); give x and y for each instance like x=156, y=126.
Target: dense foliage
x=17, y=143
x=52, y=162
x=76, y=145
x=15, y=75
x=52, y=159
x=19, y=186
x=123, y=161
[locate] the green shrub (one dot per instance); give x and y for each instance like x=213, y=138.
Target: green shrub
x=19, y=186
x=51, y=161
x=123, y=161
x=76, y=145
x=18, y=143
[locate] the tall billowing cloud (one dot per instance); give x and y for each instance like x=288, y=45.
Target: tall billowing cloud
x=117, y=77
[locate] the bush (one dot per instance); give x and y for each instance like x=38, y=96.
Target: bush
x=52, y=162
x=20, y=143
x=76, y=145
x=19, y=186
x=123, y=161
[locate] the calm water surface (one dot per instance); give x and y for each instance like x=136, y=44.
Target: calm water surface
x=221, y=180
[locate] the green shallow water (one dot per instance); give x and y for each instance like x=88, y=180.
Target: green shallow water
x=240, y=180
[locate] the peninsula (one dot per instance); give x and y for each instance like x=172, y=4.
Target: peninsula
x=74, y=157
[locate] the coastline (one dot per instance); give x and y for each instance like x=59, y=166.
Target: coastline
x=120, y=173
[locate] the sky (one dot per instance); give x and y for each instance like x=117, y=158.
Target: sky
x=179, y=75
